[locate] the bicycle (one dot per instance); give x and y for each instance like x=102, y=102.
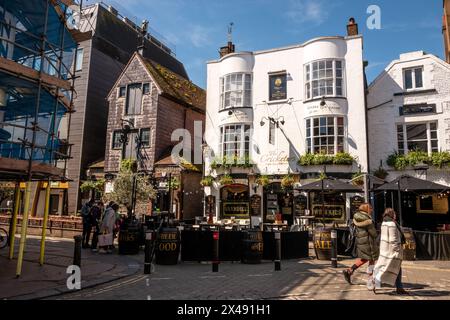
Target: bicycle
x=3, y=238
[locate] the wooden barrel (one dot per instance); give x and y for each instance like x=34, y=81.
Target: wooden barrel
x=322, y=243
x=409, y=248
x=168, y=246
x=252, y=247
x=129, y=239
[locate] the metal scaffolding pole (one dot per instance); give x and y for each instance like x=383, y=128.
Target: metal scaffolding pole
x=30, y=163
x=12, y=232
x=44, y=223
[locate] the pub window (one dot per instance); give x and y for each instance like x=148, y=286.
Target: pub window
x=277, y=87
x=134, y=99
x=324, y=78
x=325, y=135
x=235, y=140
x=417, y=137
x=236, y=90
x=413, y=78
x=145, y=137
x=116, y=144
x=426, y=203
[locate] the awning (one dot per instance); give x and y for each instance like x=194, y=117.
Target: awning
x=330, y=184
x=408, y=182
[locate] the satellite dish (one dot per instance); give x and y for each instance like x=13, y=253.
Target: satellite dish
x=73, y=17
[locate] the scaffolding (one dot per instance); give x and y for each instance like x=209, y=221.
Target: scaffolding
x=37, y=74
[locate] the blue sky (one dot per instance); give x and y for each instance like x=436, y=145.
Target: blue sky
x=198, y=27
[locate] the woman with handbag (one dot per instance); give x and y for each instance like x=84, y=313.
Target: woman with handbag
x=106, y=237
x=388, y=269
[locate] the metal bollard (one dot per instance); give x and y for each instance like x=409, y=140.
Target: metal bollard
x=334, y=248
x=277, y=251
x=77, y=251
x=215, y=262
x=148, y=253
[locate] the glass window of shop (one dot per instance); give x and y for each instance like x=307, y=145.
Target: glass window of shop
x=236, y=90
x=235, y=201
x=325, y=135
x=417, y=137
x=278, y=204
x=324, y=78
x=328, y=208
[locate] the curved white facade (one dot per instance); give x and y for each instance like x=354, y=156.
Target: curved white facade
x=277, y=151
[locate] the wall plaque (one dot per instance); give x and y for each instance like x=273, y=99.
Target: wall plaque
x=255, y=205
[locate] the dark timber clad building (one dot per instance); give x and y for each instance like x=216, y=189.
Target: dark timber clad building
x=106, y=44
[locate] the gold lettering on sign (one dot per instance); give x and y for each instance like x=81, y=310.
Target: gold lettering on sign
x=273, y=157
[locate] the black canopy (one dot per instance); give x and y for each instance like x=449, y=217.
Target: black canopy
x=408, y=182
x=330, y=184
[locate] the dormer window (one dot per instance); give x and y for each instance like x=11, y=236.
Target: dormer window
x=413, y=78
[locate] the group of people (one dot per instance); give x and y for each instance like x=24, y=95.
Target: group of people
x=100, y=221
x=384, y=254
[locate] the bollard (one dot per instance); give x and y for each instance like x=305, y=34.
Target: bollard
x=215, y=262
x=148, y=253
x=277, y=251
x=77, y=251
x=334, y=248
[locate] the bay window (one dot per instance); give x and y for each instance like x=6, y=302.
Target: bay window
x=417, y=137
x=236, y=90
x=235, y=140
x=325, y=135
x=324, y=78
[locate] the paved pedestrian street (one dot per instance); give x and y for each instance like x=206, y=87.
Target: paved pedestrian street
x=120, y=277
x=307, y=279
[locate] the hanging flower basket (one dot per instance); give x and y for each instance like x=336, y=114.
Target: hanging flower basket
x=287, y=181
x=263, y=181
x=207, y=181
x=358, y=179
x=226, y=180
x=381, y=173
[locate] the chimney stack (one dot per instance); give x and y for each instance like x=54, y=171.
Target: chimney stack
x=352, y=27
x=229, y=48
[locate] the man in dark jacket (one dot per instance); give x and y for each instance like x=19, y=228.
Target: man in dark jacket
x=366, y=244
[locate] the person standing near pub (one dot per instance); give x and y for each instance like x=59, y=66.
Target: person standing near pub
x=366, y=244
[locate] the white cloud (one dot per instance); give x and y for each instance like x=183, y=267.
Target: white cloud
x=199, y=36
x=308, y=11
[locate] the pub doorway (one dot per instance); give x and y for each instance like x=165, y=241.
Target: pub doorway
x=278, y=201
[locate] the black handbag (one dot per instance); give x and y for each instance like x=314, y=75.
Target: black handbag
x=351, y=241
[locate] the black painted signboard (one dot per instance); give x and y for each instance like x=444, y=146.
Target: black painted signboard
x=277, y=87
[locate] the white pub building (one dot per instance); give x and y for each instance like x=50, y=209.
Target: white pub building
x=280, y=118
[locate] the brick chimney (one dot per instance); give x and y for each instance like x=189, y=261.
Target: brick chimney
x=229, y=48
x=352, y=27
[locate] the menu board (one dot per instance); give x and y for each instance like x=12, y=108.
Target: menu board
x=277, y=87
x=210, y=205
x=300, y=205
x=355, y=202
x=255, y=205
x=235, y=209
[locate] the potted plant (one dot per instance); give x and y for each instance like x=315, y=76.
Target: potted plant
x=207, y=181
x=263, y=180
x=226, y=179
x=287, y=181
